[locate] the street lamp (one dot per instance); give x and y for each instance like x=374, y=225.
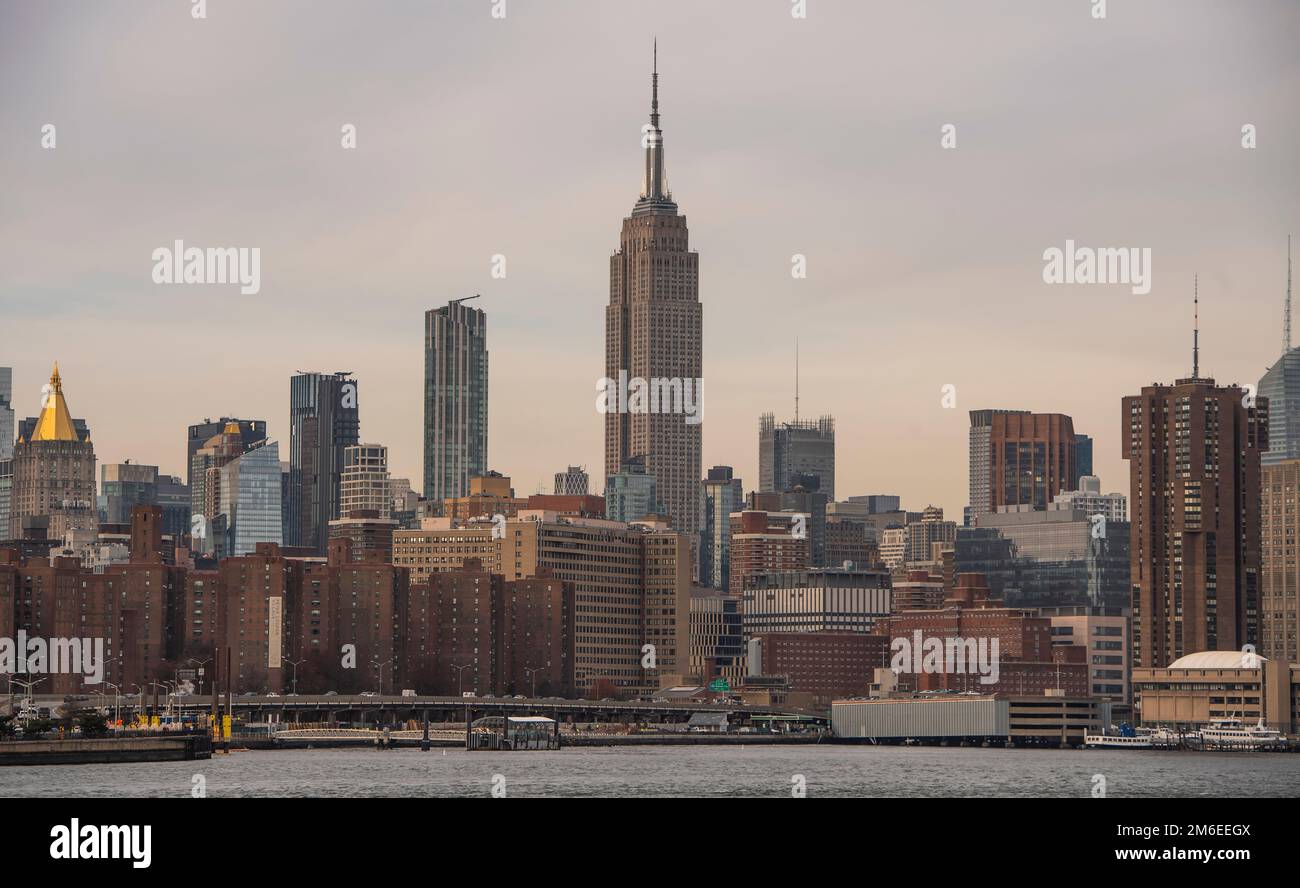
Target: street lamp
x=532, y=671
x=460, y=673
x=295, y=664
x=380, y=667
x=29, y=702
x=201, y=664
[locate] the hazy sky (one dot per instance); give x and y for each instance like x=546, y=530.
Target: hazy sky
x=521, y=136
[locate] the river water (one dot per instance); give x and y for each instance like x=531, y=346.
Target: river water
x=753, y=771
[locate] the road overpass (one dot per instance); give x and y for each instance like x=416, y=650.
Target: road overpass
x=389, y=709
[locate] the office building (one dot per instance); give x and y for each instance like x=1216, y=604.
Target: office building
x=631, y=492
x=1280, y=386
x=571, y=482
x=248, y=513
x=1089, y=499
x=1103, y=633
x=207, y=458
x=324, y=421
x=1019, y=458
x=717, y=646
x=765, y=541
x=6, y=413
x=1082, y=459
x=799, y=448
x=200, y=435
x=722, y=495
x=53, y=471
x=1280, y=570
x=653, y=334
x=822, y=600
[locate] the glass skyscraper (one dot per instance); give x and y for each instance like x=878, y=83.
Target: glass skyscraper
x=323, y=421
x=723, y=495
x=6, y=413
x=250, y=501
x=455, y=399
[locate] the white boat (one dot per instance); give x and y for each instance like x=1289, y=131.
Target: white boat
x=1230, y=733
x=1116, y=741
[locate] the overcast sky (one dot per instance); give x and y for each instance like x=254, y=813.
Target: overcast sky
x=521, y=136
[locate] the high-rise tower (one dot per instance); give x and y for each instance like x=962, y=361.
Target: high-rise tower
x=1194, y=468
x=1281, y=385
x=323, y=421
x=653, y=335
x=53, y=469
x=455, y=399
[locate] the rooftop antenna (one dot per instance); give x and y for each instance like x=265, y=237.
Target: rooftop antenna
x=1196, y=327
x=796, y=380
x=1286, y=328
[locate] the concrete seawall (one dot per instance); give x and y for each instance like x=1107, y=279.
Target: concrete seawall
x=689, y=739
x=112, y=749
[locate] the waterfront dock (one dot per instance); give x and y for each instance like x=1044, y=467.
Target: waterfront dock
x=174, y=748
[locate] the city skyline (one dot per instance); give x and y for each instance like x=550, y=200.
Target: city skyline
x=327, y=274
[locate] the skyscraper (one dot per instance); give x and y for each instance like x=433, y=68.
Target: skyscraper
x=571, y=482
x=1019, y=458
x=365, y=485
x=53, y=469
x=323, y=420
x=6, y=447
x=653, y=333
x=1194, y=467
x=206, y=462
x=630, y=494
x=789, y=449
x=1082, y=458
x=723, y=494
x=1279, y=636
x=455, y=398
x=250, y=501
x=6, y=413
x=200, y=434
x=123, y=486
x=1281, y=386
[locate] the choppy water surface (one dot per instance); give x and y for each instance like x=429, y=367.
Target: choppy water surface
x=828, y=770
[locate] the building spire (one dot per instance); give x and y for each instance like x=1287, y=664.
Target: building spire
x=1286, y=326
x=55, y=422
x=654, y=86
x=796, y=380
x=1196, y=328
x=653, y=139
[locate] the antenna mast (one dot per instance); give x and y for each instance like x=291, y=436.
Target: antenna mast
x=1196, y=327
x=1286, y=328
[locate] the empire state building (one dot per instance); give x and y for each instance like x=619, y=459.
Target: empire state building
x=653, y=327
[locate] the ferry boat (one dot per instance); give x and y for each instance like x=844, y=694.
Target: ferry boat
x=1126, y=738
x=1230, y=733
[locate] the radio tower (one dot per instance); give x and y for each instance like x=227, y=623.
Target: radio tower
x=1286, y=326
